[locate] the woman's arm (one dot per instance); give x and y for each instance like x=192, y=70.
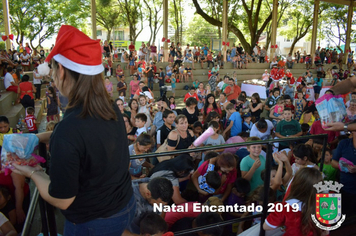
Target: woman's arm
x=8, y=229
x=33, y=88
x=259, y=106
x=174, y=137
x=42, y=182
x=227, y=192
x=44, y=137
x=12, y=217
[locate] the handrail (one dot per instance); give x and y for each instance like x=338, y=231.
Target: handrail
x=269, y=143
x=223, y=146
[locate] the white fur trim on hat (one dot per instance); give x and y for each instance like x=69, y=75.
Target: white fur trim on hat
x=79, y=68
x=43, y=69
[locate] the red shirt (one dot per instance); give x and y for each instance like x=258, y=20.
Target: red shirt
x=291, y=220
x=291, y=106
x=235, y=94
x=30, y=121
x=132, y=47
x=188, y=95
x=274, y=72
x=316, y=128
x=172, y=217
x=25, y=87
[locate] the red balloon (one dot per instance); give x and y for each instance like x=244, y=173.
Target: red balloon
x=272, y=46
x=276, y=46
x=163, y=39
x=11, y=36
x=4, y=37
x=168, y=40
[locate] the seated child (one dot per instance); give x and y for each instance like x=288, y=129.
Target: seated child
x=304, y=157
x=152, y=224
x=252, y=165
x=247, y=125
x=216, y=138
x=7, y=207
x=197, y=129
x=330, y=173
x=278, y=110
x=140, y=121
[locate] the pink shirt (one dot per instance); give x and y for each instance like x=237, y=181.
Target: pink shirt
x=230, y=178
x=235, y=139
x=316, y=128
x=134, y=86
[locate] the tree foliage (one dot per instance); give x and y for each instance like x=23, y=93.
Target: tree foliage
x=109, y=16
x=154, y=17
x=247, y=19
x=176, y=19
x=199, y=32
x=133, y=15
x=40, y=20
x=333, y=25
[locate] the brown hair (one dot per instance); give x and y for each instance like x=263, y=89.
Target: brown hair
x=302, y=189
x=252, y=139
x=179, y=117
x=89, y=92
x=227, y=160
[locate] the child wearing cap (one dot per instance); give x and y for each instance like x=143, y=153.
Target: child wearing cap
x=247, y=125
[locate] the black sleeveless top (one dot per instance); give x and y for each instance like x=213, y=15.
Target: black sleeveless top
x=184, y=143
x=257, y=113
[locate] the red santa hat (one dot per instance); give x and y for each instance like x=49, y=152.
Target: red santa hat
x=76, y=52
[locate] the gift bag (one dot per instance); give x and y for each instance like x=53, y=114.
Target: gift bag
x=331, y=109
x=18, y=149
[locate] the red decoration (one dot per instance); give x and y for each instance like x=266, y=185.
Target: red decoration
x=276, y=46
x=4, y=37
x=228, y=44
x=168, y=40
x=163, y=39
x=11, y=36
x=272, y=46
x=223, y=43
x=256, y=42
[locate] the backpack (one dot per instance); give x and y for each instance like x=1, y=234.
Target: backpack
x=164, y=148
x=186, y=87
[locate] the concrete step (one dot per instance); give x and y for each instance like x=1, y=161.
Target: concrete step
x=6, y=101
x=14, y=113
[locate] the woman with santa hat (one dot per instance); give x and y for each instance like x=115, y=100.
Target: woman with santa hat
x=89, y=178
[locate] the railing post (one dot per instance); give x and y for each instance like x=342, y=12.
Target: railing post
x=325, y=139
x=267, y=180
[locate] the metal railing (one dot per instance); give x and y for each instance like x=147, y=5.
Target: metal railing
x=47, y=213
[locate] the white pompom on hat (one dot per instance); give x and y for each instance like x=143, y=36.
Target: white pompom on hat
x=76, y=52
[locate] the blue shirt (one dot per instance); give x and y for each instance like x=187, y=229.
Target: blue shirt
x=318, y=83
x=206, y=49
x=158, y=120
x=237, y=125
x=233, y=52
x=346, y=150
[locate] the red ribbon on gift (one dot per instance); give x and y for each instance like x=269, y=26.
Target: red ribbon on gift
x=163, y=39
x=223, y=43
x=4, y=37
x=228, y=44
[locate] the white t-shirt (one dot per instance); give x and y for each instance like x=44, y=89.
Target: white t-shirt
x=221, y=84
x=36, y=81
x=3, y=220
x=255, y=133
x=8, y=79
x=25, y=58
x=140, y=131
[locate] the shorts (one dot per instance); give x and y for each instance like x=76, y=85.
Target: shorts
x=317, y=89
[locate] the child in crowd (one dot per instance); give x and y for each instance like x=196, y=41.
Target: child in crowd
x=272, y=100
x=172, y=103
x=31, y=121
x=119, y=73
x=122, y=97
x=300, y=103
x=52, y=104
x=200, y=117
x=216, y=138
x=6, y=205
x=140, y=122
x=304, y=157
x=288, y=103
x=238, y=196
x=277, y=111
x=173, y=84
x=353, y=96
x=210, y=181
x=235, y=121
x=252, y=165
x=197, y=129
x=109, y=86
x=144, y=108
x=330, y=173
x=196, y=83
x=143, y=144
x=287, y=128
x=298, y=222
x=247, y=125
x=153, y=224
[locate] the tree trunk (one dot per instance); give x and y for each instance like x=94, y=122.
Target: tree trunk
x=108, y=37
x=293, y=45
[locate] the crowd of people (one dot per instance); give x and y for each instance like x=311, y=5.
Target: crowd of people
x=125, y=191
